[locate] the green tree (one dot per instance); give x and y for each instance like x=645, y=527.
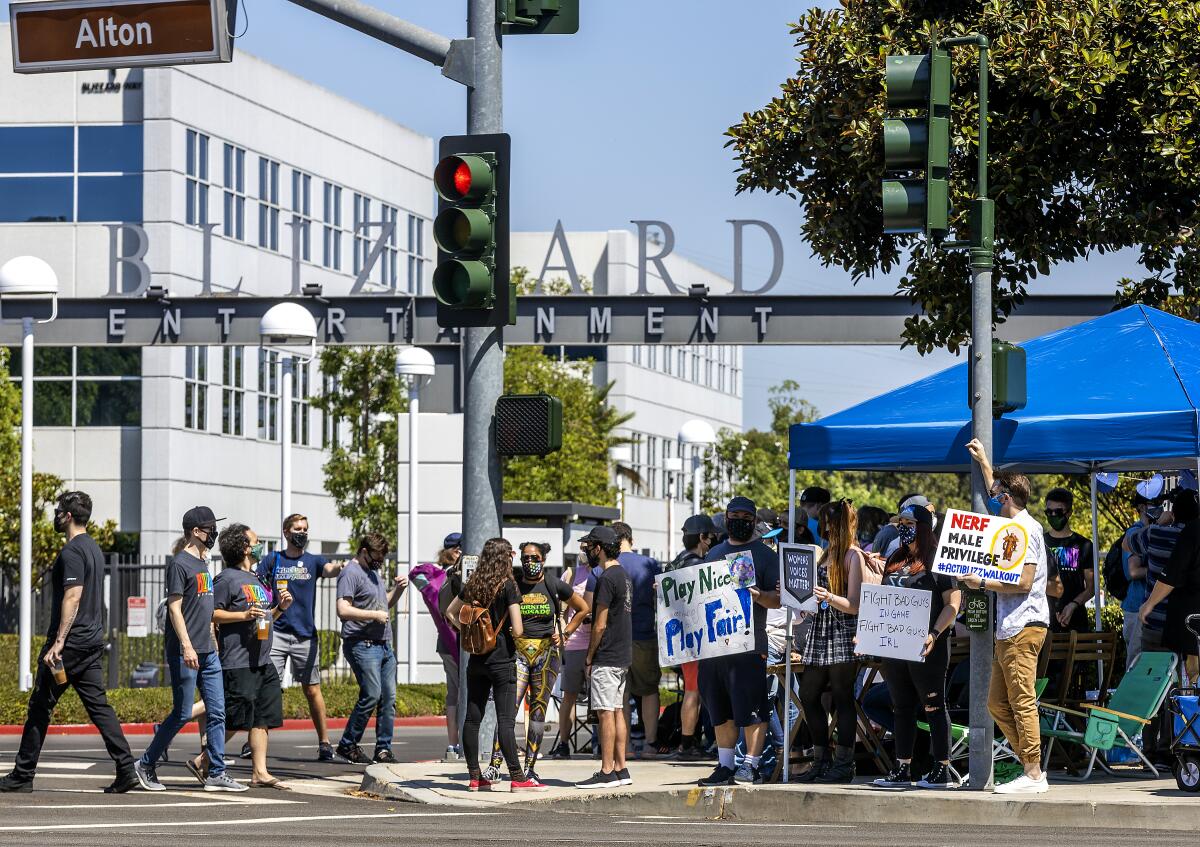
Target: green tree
x=1094, y=144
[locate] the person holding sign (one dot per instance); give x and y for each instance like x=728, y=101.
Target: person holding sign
x=919, y=688
x=828, y=656
x=1022, y=619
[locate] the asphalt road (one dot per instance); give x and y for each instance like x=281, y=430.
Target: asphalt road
x=68, y=808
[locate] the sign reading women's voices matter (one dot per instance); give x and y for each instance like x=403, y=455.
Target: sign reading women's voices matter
x=990, y=546
x=703, y=611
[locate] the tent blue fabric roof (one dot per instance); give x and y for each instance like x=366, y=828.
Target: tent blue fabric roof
x=1119, y=392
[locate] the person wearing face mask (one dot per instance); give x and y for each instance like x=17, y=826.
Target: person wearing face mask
x=1133, y=561
x=295, y=636
x=364, y=605
x=734, y=688
x=699, y=536
x=73, y=651
x=192, y=657
x=245, y=607
x=1070, y=554
x=538, y=650
x=574, y=676
x=1022, y=620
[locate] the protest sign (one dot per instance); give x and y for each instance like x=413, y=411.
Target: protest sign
x=702, y=614
x=990, y=546
x=741, y=568
x=798, y=564
x=893, y=622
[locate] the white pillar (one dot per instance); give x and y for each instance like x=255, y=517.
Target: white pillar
x=414, y=410
x=25, y=626
x=670, y=515
x=285, y=437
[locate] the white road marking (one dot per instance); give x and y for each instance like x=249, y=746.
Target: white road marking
x=183, y=805
x=67, y=766
x=256, y=821
x=687, y=822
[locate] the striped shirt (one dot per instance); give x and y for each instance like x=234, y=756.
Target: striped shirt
x=1154, y=544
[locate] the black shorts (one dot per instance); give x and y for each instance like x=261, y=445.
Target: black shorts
x=253, y=698
x=735, y=688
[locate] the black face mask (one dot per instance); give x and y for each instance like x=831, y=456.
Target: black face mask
x=62, y=521
x=210, y=539
x=300, y=539
x=740, y=529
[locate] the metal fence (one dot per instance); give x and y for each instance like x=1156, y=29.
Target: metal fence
x=136, y=659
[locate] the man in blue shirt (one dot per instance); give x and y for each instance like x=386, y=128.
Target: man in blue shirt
x=644, y=673
x=1148, y=512
x=296, y=629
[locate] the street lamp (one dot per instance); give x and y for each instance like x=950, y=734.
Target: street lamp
x=699, y=434
x=672, y=465
x=27, y=277
x=414, y=365
x=622, y=459
x=292, y=330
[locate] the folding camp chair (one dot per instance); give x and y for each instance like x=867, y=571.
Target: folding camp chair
x=1092, y=647
x=1056, y=663
x=1136, y=700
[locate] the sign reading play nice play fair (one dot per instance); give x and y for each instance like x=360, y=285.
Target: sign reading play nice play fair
x=990, y=546
x=74, y=35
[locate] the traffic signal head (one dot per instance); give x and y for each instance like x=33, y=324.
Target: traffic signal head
x=471, y=280
x=917, y=204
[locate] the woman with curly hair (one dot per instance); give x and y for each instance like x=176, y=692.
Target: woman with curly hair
x=491, y=586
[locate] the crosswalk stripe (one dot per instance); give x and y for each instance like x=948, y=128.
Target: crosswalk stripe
x=257, y=821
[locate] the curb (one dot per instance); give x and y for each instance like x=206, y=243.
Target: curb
x=809, y=806
x=381, y=782
x=194, y=726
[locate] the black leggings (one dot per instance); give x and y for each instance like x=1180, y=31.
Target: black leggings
x=918, y=692
x=840, y=679
x=501, y=682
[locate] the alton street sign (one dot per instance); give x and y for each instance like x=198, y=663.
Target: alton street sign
x=75, y=35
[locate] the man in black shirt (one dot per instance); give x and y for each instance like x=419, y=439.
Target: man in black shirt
x=74, y=648
x=1070, y=554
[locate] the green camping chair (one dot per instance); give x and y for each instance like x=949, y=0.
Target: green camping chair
x=1136, y=700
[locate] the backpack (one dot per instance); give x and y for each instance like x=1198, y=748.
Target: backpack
x=475, y=631
x=1115, y=581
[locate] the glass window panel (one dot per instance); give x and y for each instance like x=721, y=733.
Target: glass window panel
x=114, y=198
x=36, y=199
x=51, y=403
x=109, y=403
x=51, y=361
x=37, y=149
x=111, y=148
x=108, y=361
x=191, y=152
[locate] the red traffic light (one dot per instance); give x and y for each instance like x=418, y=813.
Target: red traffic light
x=459, y=178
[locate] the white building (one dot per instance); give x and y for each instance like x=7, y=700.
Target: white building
x=222, y=175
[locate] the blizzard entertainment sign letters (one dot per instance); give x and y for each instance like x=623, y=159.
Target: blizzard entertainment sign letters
x=992, y=547
x=703, y=613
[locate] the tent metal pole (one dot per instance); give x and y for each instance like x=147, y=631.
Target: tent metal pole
x=1098, y=599
x=786, y=694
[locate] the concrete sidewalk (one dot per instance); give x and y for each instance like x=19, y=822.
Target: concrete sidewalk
x=666, y=788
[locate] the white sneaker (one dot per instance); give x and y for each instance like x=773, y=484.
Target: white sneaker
x=1024, y=785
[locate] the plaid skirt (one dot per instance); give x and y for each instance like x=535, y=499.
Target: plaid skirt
x=831, y=639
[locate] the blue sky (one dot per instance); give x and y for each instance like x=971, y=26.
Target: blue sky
x=625, y=120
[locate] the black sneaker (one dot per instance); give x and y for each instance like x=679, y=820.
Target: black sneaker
x=623, y=775
x=383, y=756
x=561, y=752
x=838, y=772
x=816, y=771
x=14, y=784
x=900, y=776
x=353, y=754
x=600, y=780
x=940, y=777
x=324, y=752
x=691, y=753
x=126, y=781
x=246, y=753
x=721, y=776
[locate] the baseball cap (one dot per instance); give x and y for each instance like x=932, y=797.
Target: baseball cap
x=917, y=513
x=916, y=500
x=698, y=525
x=199, y=516
x=768, y=516
x=815, y=494
x=454, y=539
x=741, y=504
x=601, y=535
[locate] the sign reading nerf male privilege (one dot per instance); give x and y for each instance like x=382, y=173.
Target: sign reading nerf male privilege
x=987, y=545
x=893, y=622
x=702, y=613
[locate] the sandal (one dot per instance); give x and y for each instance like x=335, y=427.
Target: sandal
x=275, y=783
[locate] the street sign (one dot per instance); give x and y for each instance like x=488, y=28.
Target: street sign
x=76, y=35
x=136, y=623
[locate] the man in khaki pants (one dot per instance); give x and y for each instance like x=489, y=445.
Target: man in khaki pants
x=1022, y=620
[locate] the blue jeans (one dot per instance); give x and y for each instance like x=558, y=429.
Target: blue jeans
x=374, y=666
x=184, y=681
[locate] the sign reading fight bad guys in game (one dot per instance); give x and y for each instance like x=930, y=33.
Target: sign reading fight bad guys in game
x=704, y=611
x=893, y=622
x=991, y=547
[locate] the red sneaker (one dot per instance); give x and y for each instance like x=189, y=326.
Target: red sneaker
x=530, y=784
x=479, y=784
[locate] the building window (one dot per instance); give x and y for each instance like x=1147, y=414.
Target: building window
x=195, y=388
x=302, y=211
x=301, y=406
x=651, y=357
x=84, y=386
x=268, y=395
x=651, y=476
x=268, y=204
x=681, y=363
x=416, y=254
x=330, y=426
x=235, y=192
x=637, y=354
x=362, y=239
x=232, y=390
x=388, y=260
x=197, y=178
x=708, y=371
x=332, y=241
x=668, y=358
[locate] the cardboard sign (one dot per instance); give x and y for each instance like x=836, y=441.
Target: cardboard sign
x=798, y=567
x=990, y=546
x=893, y=622
x=702, y=614
x=136, y=620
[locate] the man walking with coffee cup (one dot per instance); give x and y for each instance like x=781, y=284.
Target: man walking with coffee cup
x=74, y=648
